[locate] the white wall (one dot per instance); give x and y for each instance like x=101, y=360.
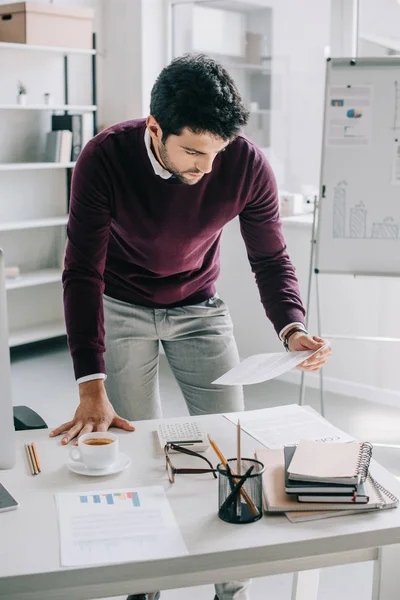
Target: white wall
x=380, y=17
x=300, y=34
x=134, y=54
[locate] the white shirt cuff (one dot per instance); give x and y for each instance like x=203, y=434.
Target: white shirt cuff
x=91, y=377
x=282, y=331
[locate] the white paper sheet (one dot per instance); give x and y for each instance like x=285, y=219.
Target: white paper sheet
x=262, y=367
x=284, y=425
x=117, y=526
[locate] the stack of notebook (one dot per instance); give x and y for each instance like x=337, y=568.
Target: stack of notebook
x=317, y=479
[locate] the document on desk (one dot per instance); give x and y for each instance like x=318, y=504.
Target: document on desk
x=285, y=425
x=117, y=526
x=262, y=367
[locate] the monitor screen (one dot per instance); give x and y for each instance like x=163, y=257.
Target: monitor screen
x=7, y=435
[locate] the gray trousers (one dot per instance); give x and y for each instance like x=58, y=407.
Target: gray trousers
x=199, y=345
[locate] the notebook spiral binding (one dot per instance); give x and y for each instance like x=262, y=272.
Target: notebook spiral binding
x=379, y=488
x=364, y=459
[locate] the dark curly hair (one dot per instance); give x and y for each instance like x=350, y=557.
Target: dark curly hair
x=196, y=92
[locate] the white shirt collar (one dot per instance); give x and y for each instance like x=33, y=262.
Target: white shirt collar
x=158, y=169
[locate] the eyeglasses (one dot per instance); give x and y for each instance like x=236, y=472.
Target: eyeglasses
x=172, y=470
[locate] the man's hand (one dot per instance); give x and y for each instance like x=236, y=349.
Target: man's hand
x=303, y=341
x=94, y=413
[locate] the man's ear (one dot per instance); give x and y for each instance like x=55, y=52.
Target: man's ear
x=154, y=128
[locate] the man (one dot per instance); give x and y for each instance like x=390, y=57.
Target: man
x=149, y=201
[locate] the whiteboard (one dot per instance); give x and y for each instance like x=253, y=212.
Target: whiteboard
x=359, y=212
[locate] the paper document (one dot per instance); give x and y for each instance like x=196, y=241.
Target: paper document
x=262, y=367
x=117, y=526
x=349, y=115
x=285, y=425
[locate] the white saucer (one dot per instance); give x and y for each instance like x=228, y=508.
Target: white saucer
x=123, y=462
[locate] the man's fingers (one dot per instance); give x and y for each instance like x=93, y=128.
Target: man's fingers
x=61, y=429
x=122, y=424
x=73, y=432
x=102, y=427
x=88, y=428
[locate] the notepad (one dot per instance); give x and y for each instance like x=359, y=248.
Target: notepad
x=331, y=463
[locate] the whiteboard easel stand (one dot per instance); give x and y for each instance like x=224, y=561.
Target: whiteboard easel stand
x=310, y=274
x=357, y=338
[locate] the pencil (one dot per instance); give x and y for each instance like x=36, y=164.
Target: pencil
x=36, y=470
x=36, y=455
x=243, y=492
x=239, y=458
x=239, y=467
x=31, y=468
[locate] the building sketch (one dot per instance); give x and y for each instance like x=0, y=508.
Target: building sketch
x=357, y=217
x=339, y=210
x=388, y=230
x=358, y=222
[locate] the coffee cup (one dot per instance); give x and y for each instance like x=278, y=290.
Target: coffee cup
x=98, y=450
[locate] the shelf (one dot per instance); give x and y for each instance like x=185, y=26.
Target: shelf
x=36, y=334
x=34, y=223
x=35, y=278
x=247, y=66
x=50, y=107
x=35, y=165
x=52, y=49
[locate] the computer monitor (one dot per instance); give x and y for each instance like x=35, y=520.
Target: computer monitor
x=7, y=435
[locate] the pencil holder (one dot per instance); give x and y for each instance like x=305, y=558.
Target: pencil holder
x=240, y=491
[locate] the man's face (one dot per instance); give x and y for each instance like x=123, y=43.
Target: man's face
x=189, y=155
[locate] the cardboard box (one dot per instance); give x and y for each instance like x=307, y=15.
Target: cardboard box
x=46, y=25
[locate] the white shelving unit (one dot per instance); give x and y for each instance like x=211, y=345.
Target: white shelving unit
x=44, y=331
x=51, y=107
x=35, y=166
x=51, y=49
x=41, y=277
x=32, y=223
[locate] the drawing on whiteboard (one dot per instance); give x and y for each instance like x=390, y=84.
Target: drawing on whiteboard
x=396, y=162
x=349, y=115
x=388, y=230
x=339, y=210
x=358, y=221
x=357, y=217
x=396, y=124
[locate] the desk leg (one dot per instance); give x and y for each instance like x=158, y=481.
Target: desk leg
x=305, y=585
x=386, y=577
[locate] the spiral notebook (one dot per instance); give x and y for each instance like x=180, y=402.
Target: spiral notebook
x=331, y=463
x=276, y=500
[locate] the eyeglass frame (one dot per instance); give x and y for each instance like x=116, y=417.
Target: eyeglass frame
x=176, y=471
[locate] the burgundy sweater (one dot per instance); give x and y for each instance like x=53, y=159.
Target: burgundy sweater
x=155, y=242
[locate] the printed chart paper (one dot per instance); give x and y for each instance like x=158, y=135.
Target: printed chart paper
x=117, y=526
x=285, y=425
x=349, y=115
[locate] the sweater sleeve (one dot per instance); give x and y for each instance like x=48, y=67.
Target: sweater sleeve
x=262, y=233
x=88, y=234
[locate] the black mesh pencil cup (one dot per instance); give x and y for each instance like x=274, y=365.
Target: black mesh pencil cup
x=240, y=491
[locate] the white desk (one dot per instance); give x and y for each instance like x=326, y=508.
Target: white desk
x=29, y=544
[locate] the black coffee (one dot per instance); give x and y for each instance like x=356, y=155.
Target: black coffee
x=98, y=441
